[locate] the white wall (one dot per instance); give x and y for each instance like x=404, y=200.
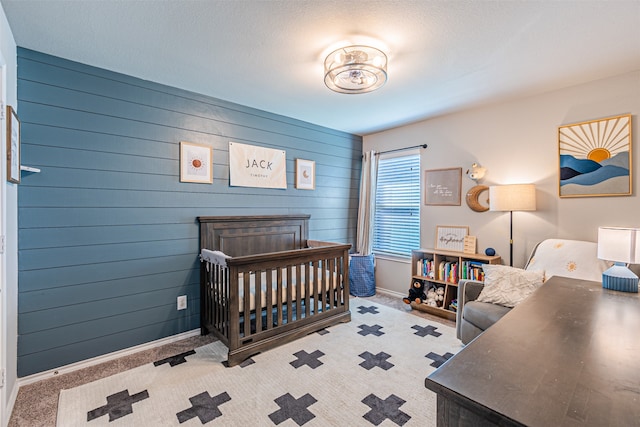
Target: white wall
x=9, y=226
x=517, y=142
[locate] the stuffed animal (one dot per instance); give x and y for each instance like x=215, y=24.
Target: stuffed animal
x=440, y=294
x=416, y=293
x=432, y=297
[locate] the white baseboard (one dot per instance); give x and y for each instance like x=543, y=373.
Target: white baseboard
x=100, y=359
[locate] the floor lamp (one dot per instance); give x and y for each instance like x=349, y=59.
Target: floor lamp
x=514, y=197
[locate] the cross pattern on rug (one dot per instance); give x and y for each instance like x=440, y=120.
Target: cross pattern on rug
x=371, y=309
x=373, y=330
x=175, y=360
x=118, y=405
x=204, y=407
x=373, y=360
x=293, y=408
x=305, y=358
x=388, y=408
x=312, y=404
x=438, y=360
x=424, y=331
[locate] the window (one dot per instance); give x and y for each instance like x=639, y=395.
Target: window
x=397, y=217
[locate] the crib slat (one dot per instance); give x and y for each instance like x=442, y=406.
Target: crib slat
x=279, y=296
x=323, y=285
x=289, y=302
x=224, y=304
x=316, y=286
x=246, y=315
x=331, y=279
x=308, y=284
x=298, y=292
x=269, y=305
x=258, y=299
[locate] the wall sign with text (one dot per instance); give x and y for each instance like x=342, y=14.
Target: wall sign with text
x=253, y=166
x=442, y=187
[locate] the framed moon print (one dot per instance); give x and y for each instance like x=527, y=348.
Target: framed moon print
x=595, y=158
x=196, y=163
x=305, y=174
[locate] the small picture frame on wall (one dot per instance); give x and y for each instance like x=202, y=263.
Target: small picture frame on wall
x=451, y=237
x=13, y=146
x=442, y=187
x=305, y=174
x=196, y=163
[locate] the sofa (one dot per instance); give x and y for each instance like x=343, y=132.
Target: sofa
x=562, y=257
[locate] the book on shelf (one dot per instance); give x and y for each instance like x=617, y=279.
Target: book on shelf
x=425, y=267
x=448, y=271
x=472, y=270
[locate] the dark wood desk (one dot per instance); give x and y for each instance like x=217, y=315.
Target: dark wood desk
x=569, y=355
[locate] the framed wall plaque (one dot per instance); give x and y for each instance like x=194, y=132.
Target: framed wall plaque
x=442, y=187
x=451, y=237
x=13, y=146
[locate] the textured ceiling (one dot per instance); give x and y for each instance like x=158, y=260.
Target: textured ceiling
x=443, y=55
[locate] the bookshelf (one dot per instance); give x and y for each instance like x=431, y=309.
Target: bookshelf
x=444, y=269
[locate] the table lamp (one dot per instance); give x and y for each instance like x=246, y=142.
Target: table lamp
x=514, y=197
x=622, y=246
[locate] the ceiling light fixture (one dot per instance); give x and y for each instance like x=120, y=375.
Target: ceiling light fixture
x=355, y=69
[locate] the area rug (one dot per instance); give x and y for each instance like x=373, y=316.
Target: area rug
x=369, y=371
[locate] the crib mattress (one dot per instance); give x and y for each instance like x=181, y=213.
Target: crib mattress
x=330, y=281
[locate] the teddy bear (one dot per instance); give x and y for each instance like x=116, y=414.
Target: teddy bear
x=432, y=298
x=416, y=293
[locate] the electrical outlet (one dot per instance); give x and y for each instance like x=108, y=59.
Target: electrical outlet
x=182, y=302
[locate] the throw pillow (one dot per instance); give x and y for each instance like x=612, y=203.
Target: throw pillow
x=508, y=286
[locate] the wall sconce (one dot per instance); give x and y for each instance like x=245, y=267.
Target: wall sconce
x=622, y=246
x=355, y=69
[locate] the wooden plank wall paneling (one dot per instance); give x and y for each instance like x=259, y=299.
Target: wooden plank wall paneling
x=108, y=236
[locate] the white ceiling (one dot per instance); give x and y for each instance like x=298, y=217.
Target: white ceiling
x=443, y=55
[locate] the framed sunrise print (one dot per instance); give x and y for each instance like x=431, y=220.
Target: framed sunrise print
x=196, y=163
x=595, y=158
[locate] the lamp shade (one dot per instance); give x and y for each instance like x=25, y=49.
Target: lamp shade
x=619, y=244
x=514, y=197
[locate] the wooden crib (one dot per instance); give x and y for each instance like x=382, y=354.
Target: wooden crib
x=276, y=285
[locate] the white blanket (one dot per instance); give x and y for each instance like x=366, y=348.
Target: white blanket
x=214, y=257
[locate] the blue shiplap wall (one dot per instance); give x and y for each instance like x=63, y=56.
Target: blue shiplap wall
x=108, y=236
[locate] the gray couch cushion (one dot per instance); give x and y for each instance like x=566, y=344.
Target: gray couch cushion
x=483, y=314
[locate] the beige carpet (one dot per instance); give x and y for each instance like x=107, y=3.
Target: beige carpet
x=367, y=372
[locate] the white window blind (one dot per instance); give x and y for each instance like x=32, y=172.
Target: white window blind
x=397, y=216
